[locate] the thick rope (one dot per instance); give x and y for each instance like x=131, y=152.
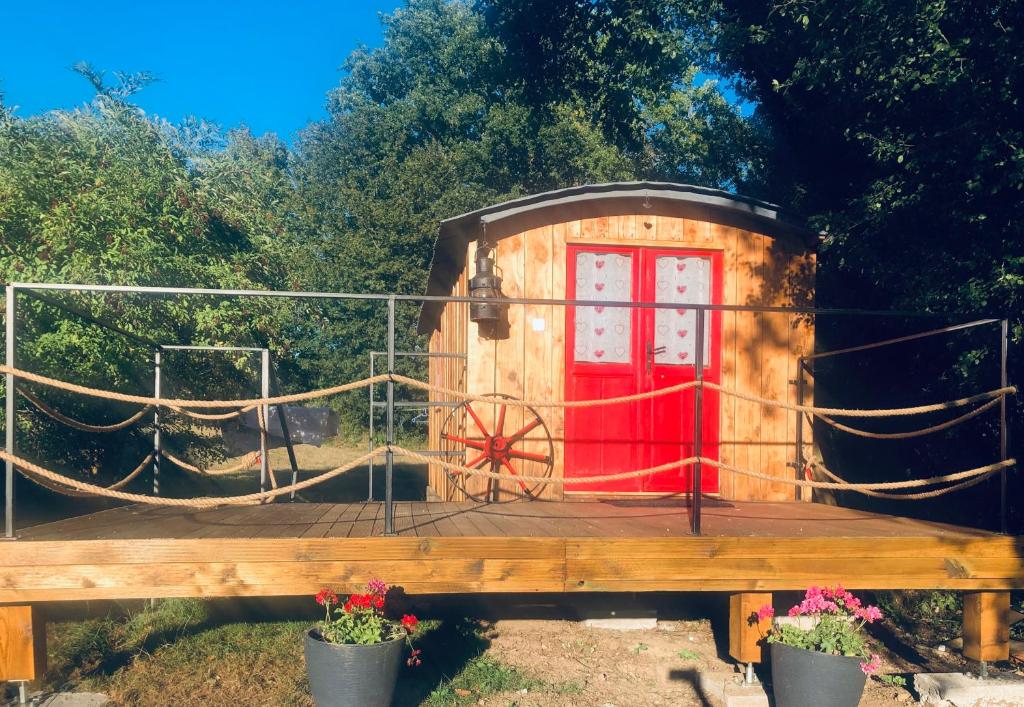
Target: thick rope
x=58, y=488
x=261, y=421
x=883, y=412
x=246, y=462
x=32, y=471
x=914, y=483
x=77, y=424
x=515, y=402
x=543, y=479
x=910, y=433
x=177, y=402
x=909, y=496
x=284, y=399
x=212, y=416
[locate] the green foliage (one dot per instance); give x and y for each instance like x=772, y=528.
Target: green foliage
x=482, y=677
x=835, y=635
x=893, y=680
x=105, y=644
x=933, y=615
x=687, y=654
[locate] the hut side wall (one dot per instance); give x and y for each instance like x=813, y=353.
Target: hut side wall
x=759, y=351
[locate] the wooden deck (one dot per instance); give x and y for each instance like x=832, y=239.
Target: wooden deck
x=293, y=549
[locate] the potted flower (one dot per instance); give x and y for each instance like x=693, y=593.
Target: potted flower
x=353, y=655
x=819, y=655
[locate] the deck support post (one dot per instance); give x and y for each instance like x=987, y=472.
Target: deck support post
x=986, y=626
x=745, y=631
x=10, y=413
x=22, y=644
x=389, y=469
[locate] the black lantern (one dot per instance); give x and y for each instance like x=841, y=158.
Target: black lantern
x=485, y=285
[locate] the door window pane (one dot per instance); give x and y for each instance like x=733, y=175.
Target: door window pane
x=603, y=334
x=681, y=280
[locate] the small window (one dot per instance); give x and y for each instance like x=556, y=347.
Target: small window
x=681, y=280
x=603, y=334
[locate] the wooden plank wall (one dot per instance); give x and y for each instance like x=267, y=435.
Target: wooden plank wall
x=448, y=373
x=759, y=350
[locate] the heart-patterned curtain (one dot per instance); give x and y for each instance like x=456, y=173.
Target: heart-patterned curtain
x=603, y=334
x=681, y=280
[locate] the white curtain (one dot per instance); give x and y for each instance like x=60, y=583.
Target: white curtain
x=603, y=334
x=681, y=280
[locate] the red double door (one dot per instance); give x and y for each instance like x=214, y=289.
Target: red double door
x=617, y=351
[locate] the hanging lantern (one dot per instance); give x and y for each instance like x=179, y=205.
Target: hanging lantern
x=485, y=285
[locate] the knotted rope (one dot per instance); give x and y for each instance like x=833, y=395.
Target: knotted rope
x=177, y=402
x=58, y=488
x=910, y=433
x=36, y=472
x=78, y=424
x=247, y=461
x=324, y=392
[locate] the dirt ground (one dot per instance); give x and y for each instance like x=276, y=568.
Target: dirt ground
x=625, y=668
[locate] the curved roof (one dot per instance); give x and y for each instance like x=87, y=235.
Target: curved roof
x=454, y=234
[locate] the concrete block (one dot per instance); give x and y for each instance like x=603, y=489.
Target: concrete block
x=73, y=699
x=959, y=690
x=728, y=690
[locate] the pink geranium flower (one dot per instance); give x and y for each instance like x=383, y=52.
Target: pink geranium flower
x=872, y=664
x=765, y=612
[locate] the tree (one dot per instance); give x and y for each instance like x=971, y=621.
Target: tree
x=458, y=110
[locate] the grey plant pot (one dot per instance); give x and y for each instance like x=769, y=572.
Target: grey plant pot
x=352, y=676
x=803, y=678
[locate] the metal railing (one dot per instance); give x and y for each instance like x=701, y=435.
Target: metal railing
x=391, y=300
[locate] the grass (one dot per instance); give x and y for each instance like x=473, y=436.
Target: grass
x=176, y=652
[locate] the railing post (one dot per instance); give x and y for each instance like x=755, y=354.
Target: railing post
x=265, y=414
x=156, y=423
x=798, y=458
x=369, y=463
x=1004, y=335
x=389, y=469
x=10, y=410
x=698, y=423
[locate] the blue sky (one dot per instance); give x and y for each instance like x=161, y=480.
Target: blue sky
x=262, y=63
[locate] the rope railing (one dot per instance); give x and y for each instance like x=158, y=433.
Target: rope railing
x=910, y=434
x=248, y=461
x=968, y=478
x=355, y=385
x=35, y=472
x=57, y=415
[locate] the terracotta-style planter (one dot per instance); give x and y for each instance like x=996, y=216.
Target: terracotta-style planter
x=350, y=675
x=803, y=678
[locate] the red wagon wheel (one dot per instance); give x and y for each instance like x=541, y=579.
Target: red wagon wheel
x=469, y=441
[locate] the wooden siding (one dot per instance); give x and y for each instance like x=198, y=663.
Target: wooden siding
x=759, y=351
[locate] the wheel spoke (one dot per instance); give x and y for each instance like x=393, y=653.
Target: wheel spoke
x=524, y=431
x=471, y=443
x=501, y=421
x=512, y=470
x=479, y=423
x=528, y=455
x=476, y=461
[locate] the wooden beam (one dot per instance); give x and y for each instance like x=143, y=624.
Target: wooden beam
x=986, y=625
x=22, y=644
x=745, y=631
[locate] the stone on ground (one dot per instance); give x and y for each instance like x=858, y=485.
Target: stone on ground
x=959, y=690
x=728, y=690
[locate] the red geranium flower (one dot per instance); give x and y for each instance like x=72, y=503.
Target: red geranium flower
x=410, y=622
x=326, y=596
